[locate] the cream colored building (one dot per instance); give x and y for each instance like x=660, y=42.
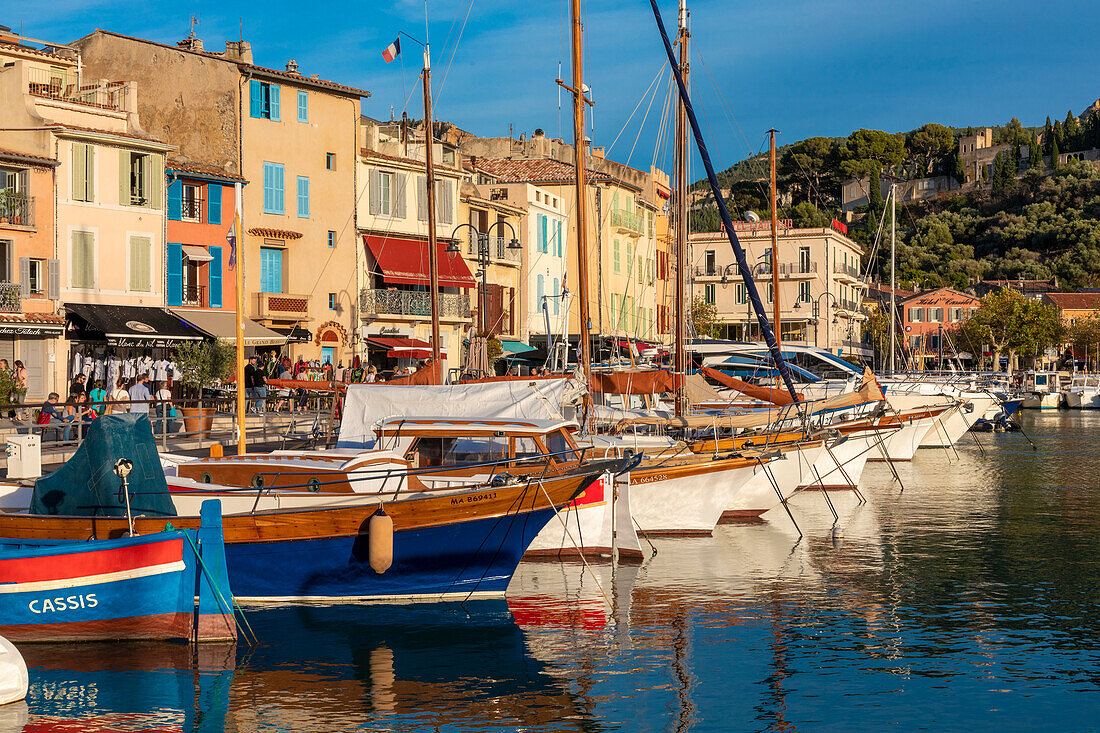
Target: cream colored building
x=294, y=137
x=107, y=268
x=820, y=284
x=391, y=210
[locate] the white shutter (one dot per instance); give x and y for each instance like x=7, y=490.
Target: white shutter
x=400, y=180
x=375, y=193
x=449, y=204
x=53, y=279
x=422, y=198
x=25, y=277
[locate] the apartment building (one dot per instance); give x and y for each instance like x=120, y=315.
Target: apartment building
x=392, y=214
x=224, y=115
x=928, y=319
x=820, y=284
x=493, y=249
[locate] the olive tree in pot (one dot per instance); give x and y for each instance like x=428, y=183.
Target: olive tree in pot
x=203, y=364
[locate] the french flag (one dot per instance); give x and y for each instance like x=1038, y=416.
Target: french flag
x=392, y=50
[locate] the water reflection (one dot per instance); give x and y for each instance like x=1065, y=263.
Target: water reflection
x=968, y=601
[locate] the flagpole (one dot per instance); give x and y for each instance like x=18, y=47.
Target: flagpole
x=239, y=271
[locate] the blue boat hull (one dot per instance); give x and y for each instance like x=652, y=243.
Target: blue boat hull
x=454, y=561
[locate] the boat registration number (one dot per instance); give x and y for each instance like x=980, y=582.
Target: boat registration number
x=474, y=498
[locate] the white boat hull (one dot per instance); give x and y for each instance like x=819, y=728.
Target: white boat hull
x=685, y=504
x=585, y=526
x=1042, y=401
x=841, y=467
x=903, y=444
x=788, y=473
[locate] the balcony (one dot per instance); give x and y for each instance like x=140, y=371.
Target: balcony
x=194, y=296
x=16, y=208
x=11, y=299
x=498, y=248
x=798, y=270
x=282, y=307
x=846, y=271
x=64, y=86
x=412, y=303
x=626, y=222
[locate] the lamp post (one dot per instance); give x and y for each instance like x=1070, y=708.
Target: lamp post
x=484, y=259
x=762, y=266
x=816, y=313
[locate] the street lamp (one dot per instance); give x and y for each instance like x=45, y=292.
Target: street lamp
x=483, y=262
x=816, y=313
x=762, y=266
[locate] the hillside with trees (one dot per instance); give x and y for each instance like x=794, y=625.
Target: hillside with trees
x=1032, y=219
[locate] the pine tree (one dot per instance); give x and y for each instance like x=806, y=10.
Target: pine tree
x=1048, y=136
x=1071, y=133
x=1054, y=153
x=1059, y=135
x=1034, y=155
x=997, y=179
x=1016, y=154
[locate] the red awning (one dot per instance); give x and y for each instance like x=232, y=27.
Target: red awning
x=403, y=348
x=405, y=262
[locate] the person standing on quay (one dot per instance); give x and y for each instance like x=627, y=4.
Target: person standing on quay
x=140, y=395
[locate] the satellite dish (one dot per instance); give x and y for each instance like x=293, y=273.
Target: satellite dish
x=752, y=216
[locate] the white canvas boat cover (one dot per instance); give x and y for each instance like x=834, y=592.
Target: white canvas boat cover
x=367, y=405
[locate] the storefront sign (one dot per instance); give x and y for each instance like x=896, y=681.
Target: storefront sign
x=156, y=343
x=29, y=331
x=389, y=331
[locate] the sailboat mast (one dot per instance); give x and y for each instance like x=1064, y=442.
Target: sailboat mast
x=680, y=311
x=433, y=252
x=579, y=100
x=775, y=253
x=893, y=283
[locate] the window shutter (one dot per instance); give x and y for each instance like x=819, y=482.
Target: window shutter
x=279, y=189
x=448, y=202
x=124, y=178
x=269, y=188
x=557, y=301
x=79, y=171
x=53, y=279
x=274, y=92
x=175, y=200
x=542, y=233
x=89, y=168
x=422, y=198
x=375, y=192
x=214, y=275
x=214, y=203
x=140, y=264
x=402, y=180
x=83, y=260
x=303, y=106
x=154, y=181
x=557, y=230
x=303, y=197
x=174, y=292
x=25, y=277
x=255, y=99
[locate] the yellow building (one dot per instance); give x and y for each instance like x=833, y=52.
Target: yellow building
x=294, y=137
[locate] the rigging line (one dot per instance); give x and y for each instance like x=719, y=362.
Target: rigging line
x=641, y=126
x=656, y=79
x=454, y=49
x=810, y=184
x=730, y=116
x=662, y=132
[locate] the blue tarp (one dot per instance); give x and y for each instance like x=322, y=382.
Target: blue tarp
x=87, y=484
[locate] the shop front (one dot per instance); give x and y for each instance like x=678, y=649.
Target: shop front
x=395, y=350
x=36, y=340
x=222, y=325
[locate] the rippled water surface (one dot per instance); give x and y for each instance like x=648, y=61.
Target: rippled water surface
x=968, y=601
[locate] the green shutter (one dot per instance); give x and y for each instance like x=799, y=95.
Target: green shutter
x=124, y=178
x=154, y=180
x=140, y=255
x=89, y=167
x=83, y=260
x=79, y=171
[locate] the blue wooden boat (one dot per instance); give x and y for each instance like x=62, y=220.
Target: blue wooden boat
x=139, y=587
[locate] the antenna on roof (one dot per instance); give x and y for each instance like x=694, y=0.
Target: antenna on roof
x=240, y=27
x=194, y=22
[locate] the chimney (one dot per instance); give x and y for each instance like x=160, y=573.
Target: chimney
x=292, y=66
x=238, y=51
x=597, y=152
x=190, y=44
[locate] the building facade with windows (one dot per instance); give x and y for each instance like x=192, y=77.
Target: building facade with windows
x=928, y=319
x=493, y=248
x=820, y=285
x=294, y=137
x=392, y=215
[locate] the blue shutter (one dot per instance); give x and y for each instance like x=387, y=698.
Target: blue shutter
x=557, y=302
x=303, y=106
x=268, y=186
x=279, y=189
x=175, y=200
x=174, y=295
x=215, y=277
x=557, y=232
x=542, y=233
x=214, y=203
x=274, y=92
x=303, y=197
x=255, y=99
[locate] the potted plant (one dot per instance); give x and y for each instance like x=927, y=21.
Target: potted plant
x=8, y=199
x=203, y=364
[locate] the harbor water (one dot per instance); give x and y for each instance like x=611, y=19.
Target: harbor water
x=969, y=601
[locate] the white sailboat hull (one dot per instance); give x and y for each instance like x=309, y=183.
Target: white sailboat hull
x=684, y=503
x=788, y=473
x=903, y=444
x=585, y=526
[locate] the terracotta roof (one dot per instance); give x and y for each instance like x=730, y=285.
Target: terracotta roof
x=37, y=52
x=533, y=170
x=77, y=128
x=885, y=289
x=49, y=318
x=274, y=233
x=1074, y=301
x=924, y=293
x=202, y=170
x=15, y=156
x=367, y=153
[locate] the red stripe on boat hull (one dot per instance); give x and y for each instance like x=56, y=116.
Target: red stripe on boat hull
x=93, y=562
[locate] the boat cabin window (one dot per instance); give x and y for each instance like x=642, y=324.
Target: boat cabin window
x=559, y=443
x=453, y=451
x=527, y=447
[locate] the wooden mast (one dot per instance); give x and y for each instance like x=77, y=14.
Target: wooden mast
x=433, y=253
x=680, y=312
x=776, y=318
x=579, y=151
x=238, y=235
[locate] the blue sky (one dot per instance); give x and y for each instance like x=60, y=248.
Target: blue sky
x=806, y=67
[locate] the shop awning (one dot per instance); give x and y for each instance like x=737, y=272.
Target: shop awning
x=405, y=262
x=127, y=325
x=196, y=253
x=294, y=335
x=223, y=325
x=511, y=346
x=404, y=348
